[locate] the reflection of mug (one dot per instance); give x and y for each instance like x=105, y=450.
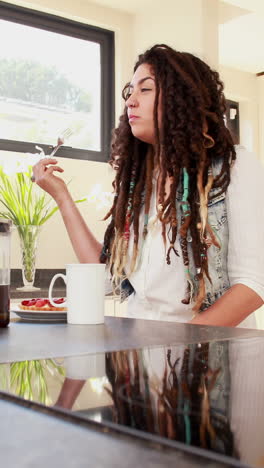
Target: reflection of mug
x=85, y=367
x=85, y=289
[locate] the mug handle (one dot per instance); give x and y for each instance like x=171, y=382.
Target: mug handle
x=59, y=275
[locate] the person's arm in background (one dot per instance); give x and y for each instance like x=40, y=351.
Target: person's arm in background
x=85, y=245
x=70, y=390
x=231, y=309
x=245, y=214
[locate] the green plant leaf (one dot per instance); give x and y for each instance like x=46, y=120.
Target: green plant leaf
x=23, y=202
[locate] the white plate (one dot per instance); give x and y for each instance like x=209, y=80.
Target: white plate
x=40, y=315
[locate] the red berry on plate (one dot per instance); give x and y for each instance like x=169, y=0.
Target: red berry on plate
x=32, y=302
x=25, y=303
x=58, y=301
x=40, y=302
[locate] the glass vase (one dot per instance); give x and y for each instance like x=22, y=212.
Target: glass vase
x=28, y=236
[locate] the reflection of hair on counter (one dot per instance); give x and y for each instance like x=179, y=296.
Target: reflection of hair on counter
x=132, y=405
x=176, y=406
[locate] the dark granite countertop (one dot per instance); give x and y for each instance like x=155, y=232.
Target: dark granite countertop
x=43, y=439
x=52, y=436
x=49, y=340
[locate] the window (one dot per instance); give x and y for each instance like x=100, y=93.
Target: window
x=55, y=74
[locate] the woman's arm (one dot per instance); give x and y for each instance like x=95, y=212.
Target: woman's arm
x=85, y=245
x=231, y=309
x=70, y=390
x=245, y=214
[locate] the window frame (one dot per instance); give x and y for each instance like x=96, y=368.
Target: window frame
x=67, y=27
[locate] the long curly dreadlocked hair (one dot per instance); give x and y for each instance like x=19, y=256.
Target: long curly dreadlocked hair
x=192, y=135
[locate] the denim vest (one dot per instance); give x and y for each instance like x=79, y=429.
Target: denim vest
x=217, y=258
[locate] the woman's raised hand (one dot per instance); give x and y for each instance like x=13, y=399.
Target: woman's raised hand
x=85, y=245
x=43, y=175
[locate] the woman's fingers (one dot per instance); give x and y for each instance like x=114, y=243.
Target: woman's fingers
x=45, y=161
x=44, y=176
x=51, y=169
x=45, y=166
x=42, y=163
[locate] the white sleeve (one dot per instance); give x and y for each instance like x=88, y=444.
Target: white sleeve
x=245, y=214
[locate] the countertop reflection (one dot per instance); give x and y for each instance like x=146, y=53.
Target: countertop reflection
x=208, y=395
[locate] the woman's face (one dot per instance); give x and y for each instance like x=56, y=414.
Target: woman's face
x=140, y=104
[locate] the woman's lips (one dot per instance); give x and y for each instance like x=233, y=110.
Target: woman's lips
x=133, y=118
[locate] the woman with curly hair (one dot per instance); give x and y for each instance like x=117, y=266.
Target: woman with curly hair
x=185, y=238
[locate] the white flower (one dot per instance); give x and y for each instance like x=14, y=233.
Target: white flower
x=94, y=194
x=99, y=197
x=106, y=200
x=10, y=166
x=32, y=158
x=17, y=163
x=23, y=165
x=98, y=384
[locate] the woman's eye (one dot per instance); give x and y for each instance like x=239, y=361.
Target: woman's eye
x=145, y=89
x=127, y=91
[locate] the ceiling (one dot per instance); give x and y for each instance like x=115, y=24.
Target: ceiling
x=241, y=30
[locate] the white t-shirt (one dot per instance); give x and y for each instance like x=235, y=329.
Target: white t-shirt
x=159, y=288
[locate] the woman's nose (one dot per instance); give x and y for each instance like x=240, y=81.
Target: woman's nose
x=131, y=101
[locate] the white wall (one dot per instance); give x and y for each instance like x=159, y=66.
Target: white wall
x=260, y=88
x=177, y=25
x=182, y=25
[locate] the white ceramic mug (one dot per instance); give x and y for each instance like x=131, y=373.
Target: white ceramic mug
x=85, y=290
